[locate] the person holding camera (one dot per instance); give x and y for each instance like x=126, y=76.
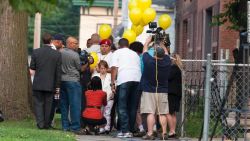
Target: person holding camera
x=154, y=99
x=71, y=91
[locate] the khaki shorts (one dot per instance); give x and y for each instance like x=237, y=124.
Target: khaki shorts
x=152, y=103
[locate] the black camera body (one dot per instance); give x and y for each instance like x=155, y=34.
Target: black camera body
x=159, y=34
x=85, y=57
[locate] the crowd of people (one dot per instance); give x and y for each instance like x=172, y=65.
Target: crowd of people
x=132, y=89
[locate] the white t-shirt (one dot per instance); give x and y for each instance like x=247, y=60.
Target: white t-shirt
x=129, y=65
x=106, y=58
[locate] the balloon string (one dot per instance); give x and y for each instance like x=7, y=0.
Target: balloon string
x=156, y=90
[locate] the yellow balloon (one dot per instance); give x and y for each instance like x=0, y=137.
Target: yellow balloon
x=135, y=16
x=137, y=29
x=132, y=4
x=130, y=35
x=142, y=23
x=144, y=4
x=95, y=57
x=105, y=31
x=165, y=21
x=148, y=15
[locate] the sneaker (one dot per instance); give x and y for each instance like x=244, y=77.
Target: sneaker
x=128, y=135
x=148, y=137
x=101, y=131
x=120, y=135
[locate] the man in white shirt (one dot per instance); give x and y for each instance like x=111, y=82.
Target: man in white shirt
x=105, y=53
x=95, y=47
x=125, y=66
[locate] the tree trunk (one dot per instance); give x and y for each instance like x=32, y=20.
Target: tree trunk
x=14, y=81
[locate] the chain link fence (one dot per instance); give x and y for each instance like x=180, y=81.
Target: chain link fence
x=229, y=100
x=230, y=103
x=191, y=114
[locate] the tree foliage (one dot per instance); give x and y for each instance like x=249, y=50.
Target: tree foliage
x=42, y=6
x=62, y=20
x=235, y=13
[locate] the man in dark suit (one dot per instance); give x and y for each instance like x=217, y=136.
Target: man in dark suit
x=45, y=65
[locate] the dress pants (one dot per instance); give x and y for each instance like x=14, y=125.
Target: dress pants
x=42, y=107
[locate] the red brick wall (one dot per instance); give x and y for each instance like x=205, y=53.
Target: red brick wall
x=222, y=38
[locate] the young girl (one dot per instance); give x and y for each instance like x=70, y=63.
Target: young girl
x=106, y=80
x=95, y=99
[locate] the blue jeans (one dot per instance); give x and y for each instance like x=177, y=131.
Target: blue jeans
x=71, y=94
x=127, y=104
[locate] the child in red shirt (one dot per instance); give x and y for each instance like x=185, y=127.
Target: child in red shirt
x=95, y=99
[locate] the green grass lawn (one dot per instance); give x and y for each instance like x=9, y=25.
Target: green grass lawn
x=26, y=130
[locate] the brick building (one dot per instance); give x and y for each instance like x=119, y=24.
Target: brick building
x=194, y=35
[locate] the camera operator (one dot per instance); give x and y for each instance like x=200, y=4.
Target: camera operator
x=154, y=81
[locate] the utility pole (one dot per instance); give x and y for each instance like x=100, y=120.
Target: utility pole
x=248, y=21
x=116, y=7
x=125, y=13
x=37, y=30
x=81, y=30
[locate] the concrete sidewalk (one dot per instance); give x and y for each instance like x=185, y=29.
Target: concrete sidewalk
x=111, y=138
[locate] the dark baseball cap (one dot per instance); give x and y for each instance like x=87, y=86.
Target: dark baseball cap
x=58, y=37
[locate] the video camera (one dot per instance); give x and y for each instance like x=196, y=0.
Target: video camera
x=85, y=58
x=159, y=34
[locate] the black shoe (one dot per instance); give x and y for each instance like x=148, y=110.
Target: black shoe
x=40, y=126
x=49, y=127
x=107, y=132
x=139, y=134
x=173, y=136
x=81, y=132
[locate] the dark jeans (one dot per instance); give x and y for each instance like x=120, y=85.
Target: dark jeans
x=127, y=104
x=42, y=107
x=71, y=94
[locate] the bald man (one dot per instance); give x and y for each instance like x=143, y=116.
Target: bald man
x=70, y=87
x=95, y=47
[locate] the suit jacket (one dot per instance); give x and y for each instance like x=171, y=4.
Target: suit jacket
x=175, y=81
x=47, y=65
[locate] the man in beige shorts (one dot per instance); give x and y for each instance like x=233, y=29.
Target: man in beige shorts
x=154, y=81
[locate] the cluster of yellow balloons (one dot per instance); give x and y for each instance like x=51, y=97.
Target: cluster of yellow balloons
x=105, y=31
x=140, y=15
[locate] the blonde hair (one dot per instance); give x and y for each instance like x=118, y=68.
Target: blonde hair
x=177, y=61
